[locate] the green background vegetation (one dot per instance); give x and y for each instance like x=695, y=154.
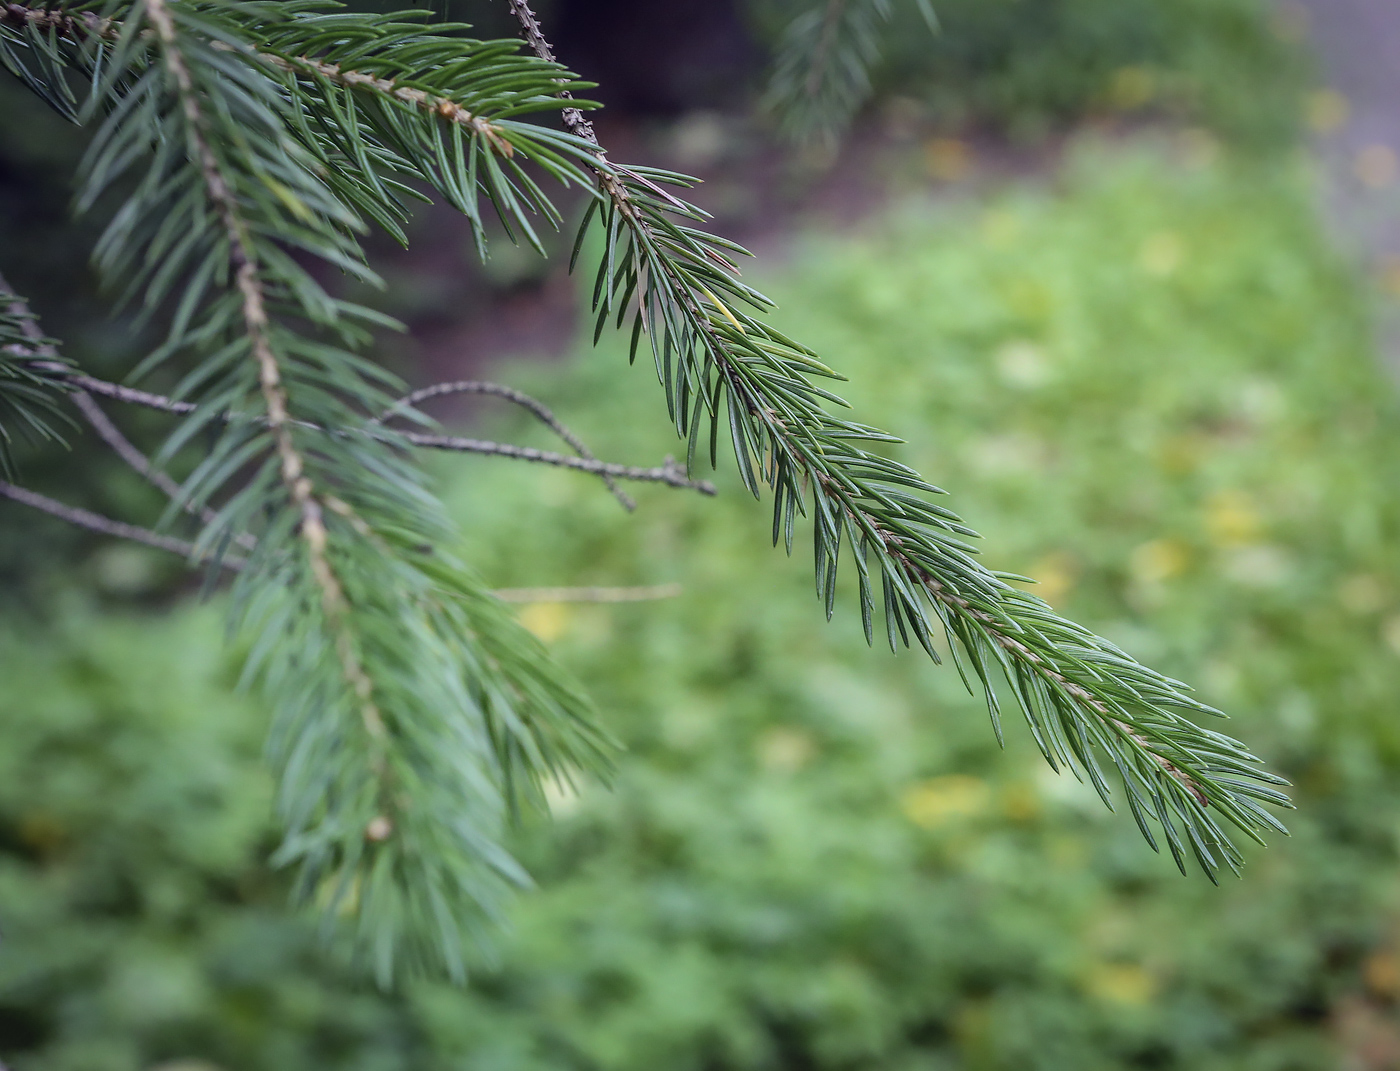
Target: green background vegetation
x=1148, y=381
x=1151, y=387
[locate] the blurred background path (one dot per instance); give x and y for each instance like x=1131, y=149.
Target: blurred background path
x=1357, y=120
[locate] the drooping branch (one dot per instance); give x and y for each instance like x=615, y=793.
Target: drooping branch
x=1082, y=696
x=1077, y=691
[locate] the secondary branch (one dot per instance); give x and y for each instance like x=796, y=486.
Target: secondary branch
x=97, y=523
x=520, y=398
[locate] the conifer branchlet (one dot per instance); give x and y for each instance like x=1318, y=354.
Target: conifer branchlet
x=245, y=139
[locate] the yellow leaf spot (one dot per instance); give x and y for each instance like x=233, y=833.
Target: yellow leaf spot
x=1198, y=148
x=1180, y=454
x=1326, y=110
x=1124, y=984
x=547, y=620
x=1382, y=974
x=785, y=750
x=1362, y=593
x=1258, y=566
x=1020, y=802
x=1056, y=573
x=1131, y=87
x=1000, y=228
x=1159, y=560
x=1023, y=364
x=1376, y=166
x=1390, y=632
x=1161, y=255
x=947, y=159
x=1231, y=519
x=934, y=803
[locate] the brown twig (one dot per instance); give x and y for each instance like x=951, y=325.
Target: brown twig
x=97, y=523
x=671, y=472
x=520, y=398
x=123, y=447
x=93, y=414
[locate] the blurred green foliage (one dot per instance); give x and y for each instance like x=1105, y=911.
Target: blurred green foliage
x=1151, y=387
x=1033, y=66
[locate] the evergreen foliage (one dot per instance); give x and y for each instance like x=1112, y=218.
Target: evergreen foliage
x=235, y=143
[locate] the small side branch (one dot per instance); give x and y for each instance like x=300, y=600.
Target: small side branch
x=122, y=446
x=520, y=398
x=97, y=523
x=93, y=414
x=672, y=473
x=129, y=395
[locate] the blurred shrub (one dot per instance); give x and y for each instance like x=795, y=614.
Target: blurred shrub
x=1031, y=66
x=1152, y=389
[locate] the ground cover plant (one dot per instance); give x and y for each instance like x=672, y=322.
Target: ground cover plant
x=1155, y=383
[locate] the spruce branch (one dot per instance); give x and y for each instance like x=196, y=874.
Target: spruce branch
x=460, y=714
x=1081, y=696
x=722, y=365
x=248, y=281
x=412, y=711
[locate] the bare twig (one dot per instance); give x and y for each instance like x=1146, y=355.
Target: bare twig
x=93, y=414
x=130, y=395
x=671, y=472
x=97, y=523
x=124, y=449
x=520, y=398
x=640, y=594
